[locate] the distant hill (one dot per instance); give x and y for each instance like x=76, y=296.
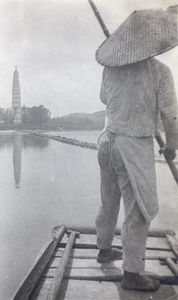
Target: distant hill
x=83, y=121
x=80, y=121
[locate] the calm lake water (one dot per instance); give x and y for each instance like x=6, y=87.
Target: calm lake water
x=44, y=183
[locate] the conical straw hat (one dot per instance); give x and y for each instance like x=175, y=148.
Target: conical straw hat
x=144, y=34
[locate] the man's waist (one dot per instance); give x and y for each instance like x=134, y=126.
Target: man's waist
x=131, y=131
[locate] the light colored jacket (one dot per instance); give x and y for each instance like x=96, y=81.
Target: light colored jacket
x=136, y=96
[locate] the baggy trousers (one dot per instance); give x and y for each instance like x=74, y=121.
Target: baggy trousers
x=114, y=184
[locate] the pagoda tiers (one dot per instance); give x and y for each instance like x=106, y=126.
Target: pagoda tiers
x=16, y=99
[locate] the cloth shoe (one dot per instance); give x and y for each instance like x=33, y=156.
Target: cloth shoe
x=107, y=255
x=137, y=282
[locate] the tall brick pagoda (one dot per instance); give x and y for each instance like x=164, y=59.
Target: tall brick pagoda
x=16, y=99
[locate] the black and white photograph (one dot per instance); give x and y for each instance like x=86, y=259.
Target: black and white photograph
x=88, y=150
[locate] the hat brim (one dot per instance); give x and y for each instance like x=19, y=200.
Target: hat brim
x=144, y=34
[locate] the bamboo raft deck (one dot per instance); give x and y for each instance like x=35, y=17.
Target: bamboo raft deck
x=66, y=268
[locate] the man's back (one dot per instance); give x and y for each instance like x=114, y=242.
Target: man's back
x=131, y=93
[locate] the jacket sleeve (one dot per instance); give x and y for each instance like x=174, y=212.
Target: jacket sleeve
x=103, y=97
x=167, y=102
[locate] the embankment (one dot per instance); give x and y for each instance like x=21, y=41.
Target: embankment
x=69, y=141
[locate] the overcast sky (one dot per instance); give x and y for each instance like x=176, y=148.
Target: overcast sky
x=53, y=45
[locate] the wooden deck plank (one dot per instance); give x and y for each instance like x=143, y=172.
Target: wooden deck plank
x=89, y=290
x=90, y=239
x=83, y=262
x=84, y=267
x=158, y=232
x=159, y=253
x=92, y=253
x=80, y=290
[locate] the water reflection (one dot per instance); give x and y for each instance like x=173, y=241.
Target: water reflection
x=30, y=140
x=17, y=158
x=18, y=141
x=5, y=141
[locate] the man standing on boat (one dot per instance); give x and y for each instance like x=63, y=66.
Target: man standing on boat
x=137, y=90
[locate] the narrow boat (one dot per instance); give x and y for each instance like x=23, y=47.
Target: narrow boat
x=66, y=268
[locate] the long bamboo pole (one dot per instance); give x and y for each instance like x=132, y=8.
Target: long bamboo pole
x=158, y=135
x=170, y=163
x=100, y=20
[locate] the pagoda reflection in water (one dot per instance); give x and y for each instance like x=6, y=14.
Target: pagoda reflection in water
x=17, y=158
x=19, y=141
